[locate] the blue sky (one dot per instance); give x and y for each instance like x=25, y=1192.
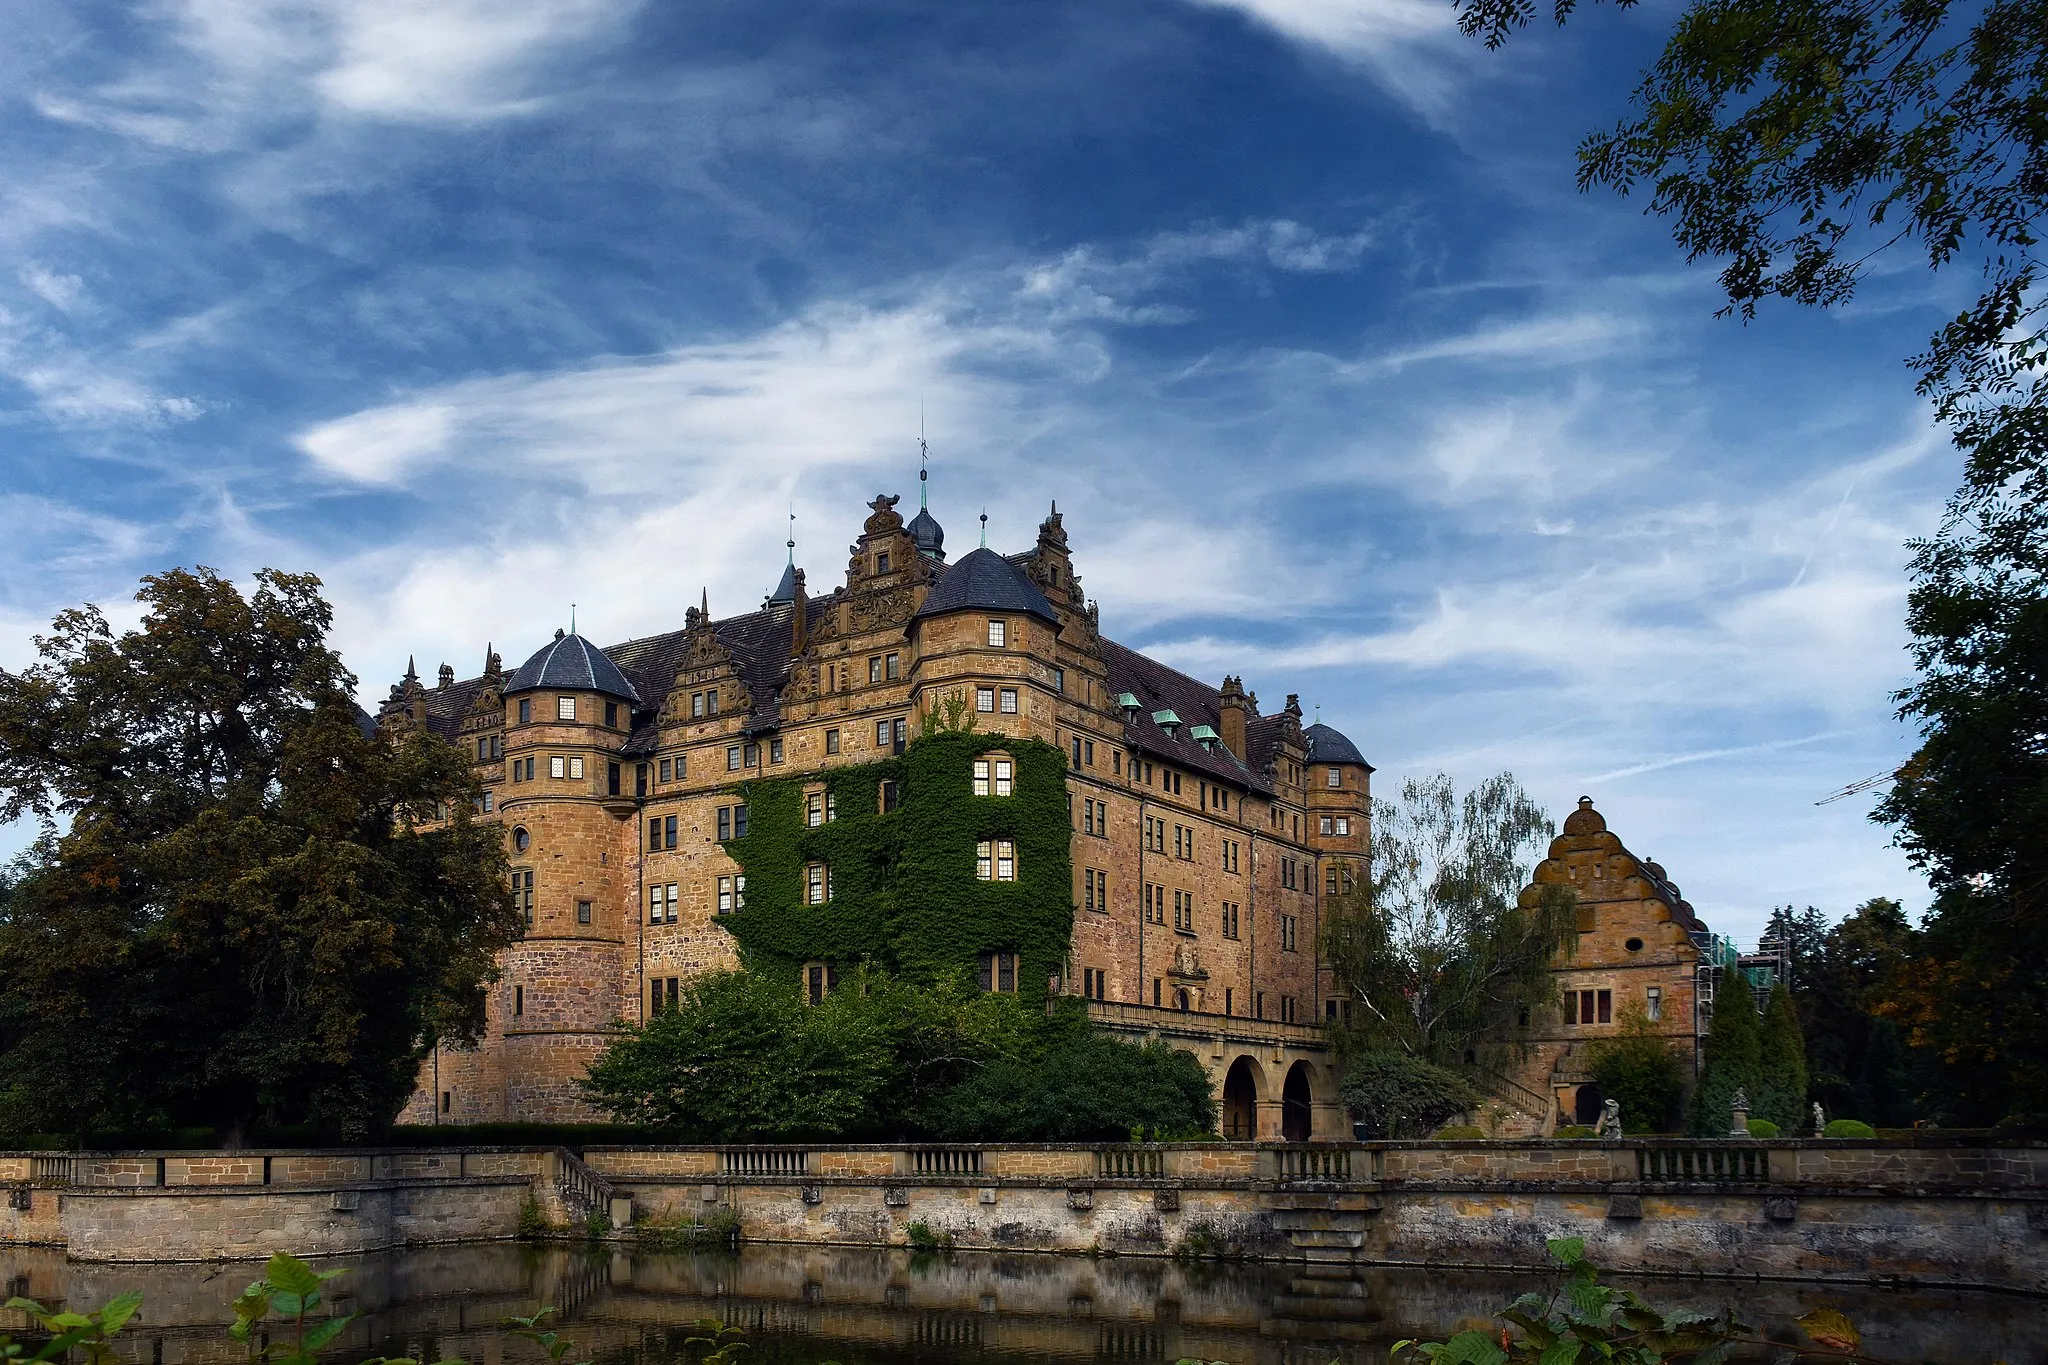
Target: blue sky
x=477, y=309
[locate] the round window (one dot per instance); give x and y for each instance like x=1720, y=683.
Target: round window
x=1634, y=945
x=520, y=840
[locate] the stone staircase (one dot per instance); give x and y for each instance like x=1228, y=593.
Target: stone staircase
x=582, y=1192
x=1327, y=1229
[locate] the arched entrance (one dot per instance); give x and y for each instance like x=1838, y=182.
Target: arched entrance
x=1241, y=1101
x=1587, y=1104
x=1295, y=1099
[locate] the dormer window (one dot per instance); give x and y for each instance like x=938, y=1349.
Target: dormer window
x=998, y=634
x=881, y=561
x=565, y=708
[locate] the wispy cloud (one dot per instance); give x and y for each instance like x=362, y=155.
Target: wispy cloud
x=1705, y=755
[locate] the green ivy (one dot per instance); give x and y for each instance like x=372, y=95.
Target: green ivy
x=904, y=894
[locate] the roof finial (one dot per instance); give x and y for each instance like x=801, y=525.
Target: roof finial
x=984, y=528
x=924, y=455
x=410, y=672
x=705, y=604
x=791, y=542
x=572, y=618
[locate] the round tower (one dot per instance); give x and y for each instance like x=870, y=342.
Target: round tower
x=568, y=714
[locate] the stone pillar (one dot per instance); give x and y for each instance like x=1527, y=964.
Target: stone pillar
x=1270, y=1118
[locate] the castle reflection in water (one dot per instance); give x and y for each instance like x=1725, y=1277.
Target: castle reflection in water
x=803, y=1305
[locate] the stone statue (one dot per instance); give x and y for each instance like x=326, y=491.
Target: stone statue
x=1739, y=1124
x=1820, y=1120
x=1610, y=1120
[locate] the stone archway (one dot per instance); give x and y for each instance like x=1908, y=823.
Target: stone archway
x=1586, y=1105
x=1297, y=1104
x=1241, y=1100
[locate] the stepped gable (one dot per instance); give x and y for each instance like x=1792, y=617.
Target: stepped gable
x=572, y=663
x=1585, y=829
x=1326, y=745
x=759, y=644
x=1160, y=688
x=983, y=580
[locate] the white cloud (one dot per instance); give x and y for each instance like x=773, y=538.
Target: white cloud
x=1411, y=47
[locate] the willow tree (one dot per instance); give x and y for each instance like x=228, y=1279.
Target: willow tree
x=1438, y=956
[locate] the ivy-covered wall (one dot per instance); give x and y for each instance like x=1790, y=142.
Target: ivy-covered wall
x=904, y=894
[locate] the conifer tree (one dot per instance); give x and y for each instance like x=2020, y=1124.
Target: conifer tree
x=1734, y=1059
x=1780, y=1095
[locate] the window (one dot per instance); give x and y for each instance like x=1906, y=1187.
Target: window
x=639, y=779
x=1328, y=825
x=817, y=884
x=1077, y=751
x=1287, y=934
x=1059, y=679
x=1155, y=990
x=611, y=715
x=1183, y=912
x=696, y=705
x=1155, y=903
x=1330, y=880
x=985, y=699
x=682, y=767
x=664, y=771
x=661, y=903
x=664, y=993
x=483, y=748
x=654, y=834
x=525, y=710
x=892, y=667
x=522, y=892
x=1286, y=1009
x=1344, y=824
x=565, y=708
x=447, y=1101
x=814, y=809
x=832, y=741
x=1180, y=999
x=1009, y=699
x=518, y=1000
x=994, y=776
x=1336, y=777
x=1229, y=1000
x=1088, y=752
x=583, y=912
x=874, y=668
x=724, y=823
x=999, y=972
x=1595, y=1007
x=726, y=902
x=750, y=755
x=1095, y=817
x=557, y=766
x=575, y=765
x=1095, y=890
x=711, y=702
x=668, y=832
x=1258, y=1004
x=1116, y=762
x=889, y=797
x=1229, y=922
x=487, y=803
x=1094, y=983
x=775, y=751
x=520, y=839
x=1174, y=779
x=732, y=758
x=1230, y=855
x=998, y=633
x=820, y=979
x=881, y=561
x=995, y=860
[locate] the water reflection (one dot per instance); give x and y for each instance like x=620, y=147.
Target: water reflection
x=804, y=1305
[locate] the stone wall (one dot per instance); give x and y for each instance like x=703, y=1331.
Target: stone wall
x=1938, y=1211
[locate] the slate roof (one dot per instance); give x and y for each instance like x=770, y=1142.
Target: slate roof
x=985, y=581
x=785, y=591
x=573, y=663
x=1326, y=745
x=927, y=534
x=644, y=670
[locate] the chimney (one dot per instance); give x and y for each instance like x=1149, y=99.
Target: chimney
x=1232, y=717
x=447, y=675
x=800, y=619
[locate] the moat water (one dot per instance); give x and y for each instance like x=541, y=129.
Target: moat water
x=807, y=1305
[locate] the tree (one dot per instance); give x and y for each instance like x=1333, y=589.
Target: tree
x=1395, y=1095
x=1799, y=141
x=1842, y=974
x=1734, y=1055
x=1780, y=1095
x=1437, y=953
x=1640, y=1070
x=253, y=908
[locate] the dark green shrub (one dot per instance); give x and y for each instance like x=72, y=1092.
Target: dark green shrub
x=1848, y=1128
x=1394, y=1095
x=1460, y=1132
x=1574, y=1130
x=1642, y=1073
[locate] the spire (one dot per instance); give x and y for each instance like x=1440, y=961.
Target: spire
x=412, y=674
x=705, y=605
x=984, y=528
x=572, y=618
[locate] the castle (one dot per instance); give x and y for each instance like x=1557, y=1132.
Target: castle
x=677, y=803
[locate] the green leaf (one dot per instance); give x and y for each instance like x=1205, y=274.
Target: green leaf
x=1570, y=1250
x=320, y=1334
x=1716, y=1353
x=290, y=1305
x=292, y=1275
x=1539, y=1331
x=114, y=1316
x=1563, y=1351
x=1473, y=1348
